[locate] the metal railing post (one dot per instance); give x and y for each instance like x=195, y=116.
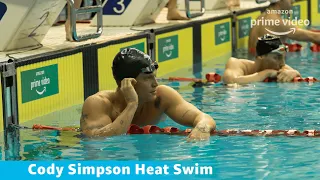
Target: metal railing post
x=193, y=15
x=85, y=10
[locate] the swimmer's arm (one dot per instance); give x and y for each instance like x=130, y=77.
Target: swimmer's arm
x=305, y=35
x=233, y=76
x=182, y=111
x=95, y=120
x=299, y=34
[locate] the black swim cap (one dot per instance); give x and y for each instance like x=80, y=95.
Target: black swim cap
x=267, y=43
x=130, y=62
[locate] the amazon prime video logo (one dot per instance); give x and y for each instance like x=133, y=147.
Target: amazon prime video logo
x=168, y=48
x=39, y=83
x=277, y=22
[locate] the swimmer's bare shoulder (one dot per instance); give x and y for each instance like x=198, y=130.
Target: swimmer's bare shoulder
x=235, y=63
x=96, y=111
x=235, y=67
x=165, y=94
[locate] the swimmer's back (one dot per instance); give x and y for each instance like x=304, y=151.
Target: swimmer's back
x=260, y=29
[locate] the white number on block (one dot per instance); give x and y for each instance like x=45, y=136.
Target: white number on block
x=119, y=11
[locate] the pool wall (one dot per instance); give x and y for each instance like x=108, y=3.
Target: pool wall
x=37, y=85
x=313, y=11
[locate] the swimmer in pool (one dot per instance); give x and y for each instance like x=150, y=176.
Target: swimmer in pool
x=139, y=100
x=268, y=20
x=269, y=63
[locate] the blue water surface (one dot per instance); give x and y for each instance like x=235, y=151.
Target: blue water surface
x=254, y=106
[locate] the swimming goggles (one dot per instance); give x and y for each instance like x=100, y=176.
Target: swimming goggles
x=134, y=54
x=151, y=68
x=280, y=50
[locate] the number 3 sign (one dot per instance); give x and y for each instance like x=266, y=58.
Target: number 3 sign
x=115, y=7
x=3, y=10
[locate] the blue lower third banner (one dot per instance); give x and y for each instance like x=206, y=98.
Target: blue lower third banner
x=105, y=170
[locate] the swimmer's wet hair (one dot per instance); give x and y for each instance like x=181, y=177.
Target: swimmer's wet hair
x=267, y=43
x=130, y=62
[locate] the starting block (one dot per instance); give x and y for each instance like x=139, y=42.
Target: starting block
x=194, y=5
x=130, y=12
x=24, y=23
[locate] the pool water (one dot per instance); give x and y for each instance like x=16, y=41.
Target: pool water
x=255, y=106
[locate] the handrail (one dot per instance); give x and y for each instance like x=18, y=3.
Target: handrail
x=85, y=10
x=188, y=13
x=263, y=1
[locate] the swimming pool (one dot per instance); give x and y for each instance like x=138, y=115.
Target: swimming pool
x=254, y=106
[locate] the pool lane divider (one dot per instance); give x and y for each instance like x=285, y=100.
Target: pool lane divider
x=297, y=47
x=210, y=77
x=215, y=78
x=170, y=130
x=296, y=79
x=315, y=48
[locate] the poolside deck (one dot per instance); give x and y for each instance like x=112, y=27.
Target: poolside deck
x=55, y=38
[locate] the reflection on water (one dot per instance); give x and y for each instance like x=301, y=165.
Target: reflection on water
x=254, y=106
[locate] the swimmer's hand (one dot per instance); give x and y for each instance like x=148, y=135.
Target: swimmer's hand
x=271, y=73
x=128, y=91
x=200, y=133
x=286, y=75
